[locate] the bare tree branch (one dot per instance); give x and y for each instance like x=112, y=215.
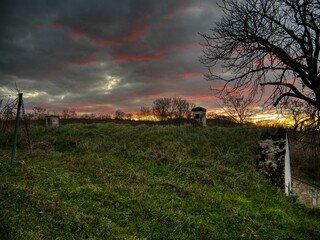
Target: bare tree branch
x=267, y=43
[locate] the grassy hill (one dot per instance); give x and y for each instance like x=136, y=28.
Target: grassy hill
x=112, y=181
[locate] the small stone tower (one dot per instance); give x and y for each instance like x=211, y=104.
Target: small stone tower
x=52, y=121
x=199, y=115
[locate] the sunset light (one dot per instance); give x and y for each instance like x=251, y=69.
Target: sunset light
x=160, y=119
x=117, y=52
x=111, y=82
x=114, y=55
x=34, y=94
x=272, y=119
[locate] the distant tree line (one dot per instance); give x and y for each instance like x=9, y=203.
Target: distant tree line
x=162, y=109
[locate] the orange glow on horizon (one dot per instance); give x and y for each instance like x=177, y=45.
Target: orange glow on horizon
x=272, y=119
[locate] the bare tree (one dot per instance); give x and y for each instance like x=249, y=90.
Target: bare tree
x=73, y=113
x=7, y=113
x=69, y=114
x=103, y=116
x=268, y=43
x=145, y=112
x=119, y=114
x=162, y=108
x=66, y=114
x=8, y=110
x=129, y=116
x=169, y=108
x=39, y=113
x=300, y=112
x=182, y=109
x=85, y=116
x=238, y=107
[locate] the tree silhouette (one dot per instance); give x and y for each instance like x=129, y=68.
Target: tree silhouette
x=169, y=108
x=145, y=112
x=267, y=43
x=39, y=113
x=162, y=108
x=300, y=112
x=238, y=107
x=182, y=108
x=119, y=114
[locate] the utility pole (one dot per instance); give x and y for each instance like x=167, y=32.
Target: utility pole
x=14, y=140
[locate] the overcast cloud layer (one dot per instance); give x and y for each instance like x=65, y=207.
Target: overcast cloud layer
x=103, y=55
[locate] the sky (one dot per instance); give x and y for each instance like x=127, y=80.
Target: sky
x=98, y=56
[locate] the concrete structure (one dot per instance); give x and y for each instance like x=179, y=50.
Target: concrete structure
x=274, y=163
x=307, y=194
x=199, y=115
x=52, y=121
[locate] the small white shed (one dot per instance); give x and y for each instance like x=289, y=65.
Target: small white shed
x=199, y=115
x=52, y=121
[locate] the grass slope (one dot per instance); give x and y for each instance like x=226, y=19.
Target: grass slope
x=111, y=181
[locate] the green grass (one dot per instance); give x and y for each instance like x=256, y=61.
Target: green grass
x=110, y=181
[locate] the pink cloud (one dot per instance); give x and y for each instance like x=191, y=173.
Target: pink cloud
x=175, y=12
x=218, y=88
x=191, y=74
x=140, y=57
x=200, y=97
x=156, y=95
x=92, y=108
x=151, y=56
x=76, y=35
x=82, y=61
x=137, y=29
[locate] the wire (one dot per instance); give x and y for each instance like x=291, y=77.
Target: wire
x=6, y=96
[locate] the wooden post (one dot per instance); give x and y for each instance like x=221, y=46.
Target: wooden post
x=14, y=140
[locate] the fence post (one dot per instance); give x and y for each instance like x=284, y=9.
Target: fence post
x=287, y=169
x=14, y=140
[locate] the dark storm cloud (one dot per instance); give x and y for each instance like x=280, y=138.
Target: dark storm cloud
x=112, y=54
